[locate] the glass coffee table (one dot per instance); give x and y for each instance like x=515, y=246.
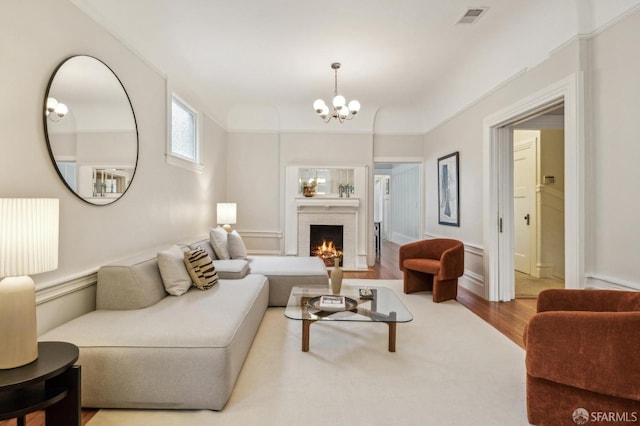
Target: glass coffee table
x=382, y=305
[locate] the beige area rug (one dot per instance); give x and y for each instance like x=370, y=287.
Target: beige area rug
x=450, y=368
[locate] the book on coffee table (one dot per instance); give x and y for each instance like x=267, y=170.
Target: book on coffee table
x=332, y=302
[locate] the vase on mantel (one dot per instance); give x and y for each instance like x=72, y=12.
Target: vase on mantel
x=336, y=277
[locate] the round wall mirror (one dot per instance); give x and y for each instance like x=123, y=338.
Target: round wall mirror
x=91, y=130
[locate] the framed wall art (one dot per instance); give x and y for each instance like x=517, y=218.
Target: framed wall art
x=449, y=190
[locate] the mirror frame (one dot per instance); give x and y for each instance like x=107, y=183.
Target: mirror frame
x=46, y=130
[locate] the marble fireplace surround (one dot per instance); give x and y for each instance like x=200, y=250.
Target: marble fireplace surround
x=302, y=212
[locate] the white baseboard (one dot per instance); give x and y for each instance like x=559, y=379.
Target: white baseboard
x=544, y=270
x=609, y=283
x=473, y=282
x=264, y=252
x=261, y=234
x=401, y=239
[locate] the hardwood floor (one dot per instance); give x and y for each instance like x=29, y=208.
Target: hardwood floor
x=37, y=418
x=507, y=317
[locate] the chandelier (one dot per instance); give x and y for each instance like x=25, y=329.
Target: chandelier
x=55, y=110
x=341, y=111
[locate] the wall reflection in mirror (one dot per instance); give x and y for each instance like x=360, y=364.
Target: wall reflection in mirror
x=91, y=130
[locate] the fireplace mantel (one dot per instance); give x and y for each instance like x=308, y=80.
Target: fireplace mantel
x=327, y=202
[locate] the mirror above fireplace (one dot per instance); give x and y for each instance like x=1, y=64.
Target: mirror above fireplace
x=326, y=182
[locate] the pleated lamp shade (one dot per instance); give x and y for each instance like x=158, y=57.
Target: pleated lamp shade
x=28, y=245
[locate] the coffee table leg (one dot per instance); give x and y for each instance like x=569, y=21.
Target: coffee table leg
x=306, y=324
x=392, y=332
x=392, y=336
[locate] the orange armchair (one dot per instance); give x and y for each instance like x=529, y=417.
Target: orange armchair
x=432, y=265
x=582, y=352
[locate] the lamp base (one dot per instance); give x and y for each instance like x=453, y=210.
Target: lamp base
x=18, y=331
x=227, y=228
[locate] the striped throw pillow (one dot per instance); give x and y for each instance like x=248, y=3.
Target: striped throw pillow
x=200, y=268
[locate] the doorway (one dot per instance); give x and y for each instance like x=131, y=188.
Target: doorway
x=498, y=226
x=538, y=204
x=397, y=205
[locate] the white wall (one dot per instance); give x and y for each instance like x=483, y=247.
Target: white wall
x=405, y=206
x=253, y=164
x=398, y=147
x=610, y=64
x=164, y=203
x=550, y=201
x=614, y=188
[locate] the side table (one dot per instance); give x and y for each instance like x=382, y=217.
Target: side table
x=52, y=383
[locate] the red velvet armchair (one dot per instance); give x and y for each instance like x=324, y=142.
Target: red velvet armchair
x=583, y=352
x=432, y=265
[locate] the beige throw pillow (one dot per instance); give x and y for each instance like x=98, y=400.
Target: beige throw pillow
x=206, y=245
x=200, y=268
x=237, y=249
x=218, y=237
x=174, y=275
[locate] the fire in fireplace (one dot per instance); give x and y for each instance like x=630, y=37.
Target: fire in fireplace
x=326, y=243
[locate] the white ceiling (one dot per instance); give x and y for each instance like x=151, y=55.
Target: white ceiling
x=258, y=64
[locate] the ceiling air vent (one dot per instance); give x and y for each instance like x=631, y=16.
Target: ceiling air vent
x=472, y=15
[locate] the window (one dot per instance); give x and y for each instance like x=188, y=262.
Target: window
x=184, y=146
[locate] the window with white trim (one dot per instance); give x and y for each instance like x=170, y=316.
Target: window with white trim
x=184, y=132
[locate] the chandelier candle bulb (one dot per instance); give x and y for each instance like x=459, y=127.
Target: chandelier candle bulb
x=55, y=110
x=61, y=109
x=51, y=105
x=319, y=106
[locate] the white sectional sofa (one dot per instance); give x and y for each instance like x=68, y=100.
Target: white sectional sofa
x=142, y=348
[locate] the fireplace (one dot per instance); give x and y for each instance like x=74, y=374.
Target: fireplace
x=326, y=242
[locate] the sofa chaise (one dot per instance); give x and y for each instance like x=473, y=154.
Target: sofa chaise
x=143, y=348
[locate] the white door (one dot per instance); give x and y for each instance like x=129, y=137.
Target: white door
x=524, y=191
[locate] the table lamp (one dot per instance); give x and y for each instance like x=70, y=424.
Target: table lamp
x=227, y=215
x=28, y=245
